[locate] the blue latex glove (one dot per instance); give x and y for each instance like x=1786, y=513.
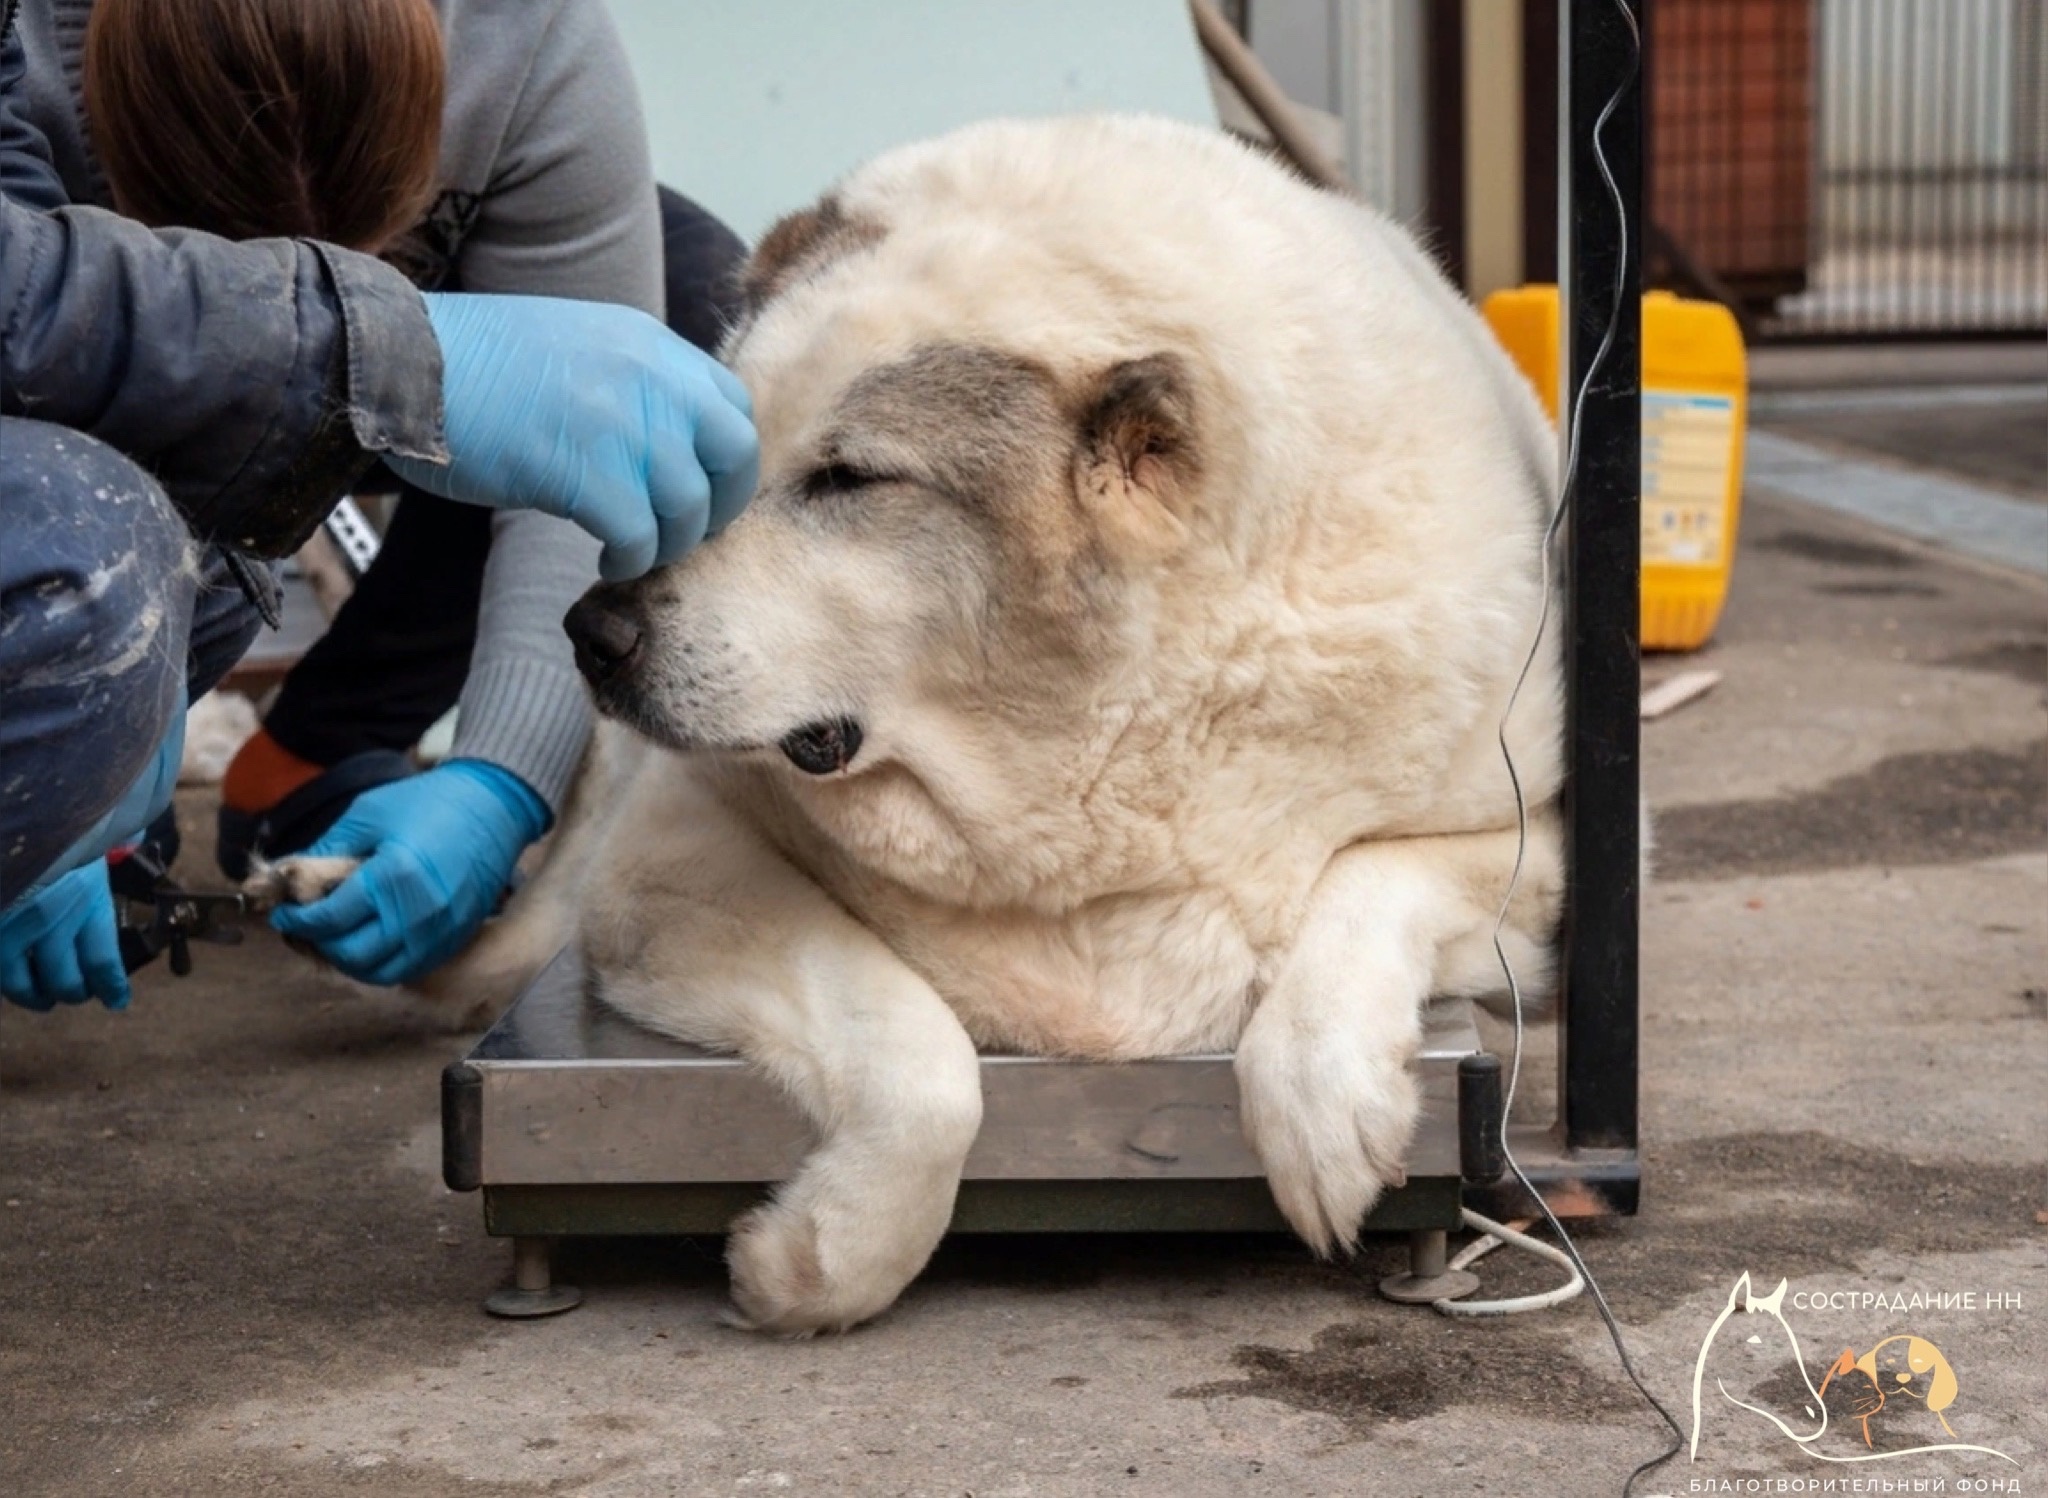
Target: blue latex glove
x=58, y=944
x=593, y=412
x=439, y=849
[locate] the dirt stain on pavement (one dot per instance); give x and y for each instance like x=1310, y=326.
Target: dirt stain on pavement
x=1794, y=1203
x=2023, y=660
x=1837, y=551
x=1368, y=1374
x=1736, y=1190
x=1879, y=590
x=1941, y=807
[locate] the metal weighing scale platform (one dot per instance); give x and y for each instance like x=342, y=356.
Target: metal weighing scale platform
x=574, y=1123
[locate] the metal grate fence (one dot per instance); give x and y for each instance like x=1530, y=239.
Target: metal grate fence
x=1854, y=168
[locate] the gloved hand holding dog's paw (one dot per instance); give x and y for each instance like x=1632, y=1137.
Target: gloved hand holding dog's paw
x=437, y=850
x=58, y=944
x=596, y=413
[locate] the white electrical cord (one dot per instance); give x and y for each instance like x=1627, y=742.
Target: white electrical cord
x=1496, y=1234
x=1566, y=494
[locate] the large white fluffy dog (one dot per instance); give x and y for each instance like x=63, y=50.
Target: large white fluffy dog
x=1109, y=666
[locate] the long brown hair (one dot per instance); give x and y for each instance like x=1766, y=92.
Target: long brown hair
x=317, y=119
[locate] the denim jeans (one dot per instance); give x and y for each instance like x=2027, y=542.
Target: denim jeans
x=106, y=607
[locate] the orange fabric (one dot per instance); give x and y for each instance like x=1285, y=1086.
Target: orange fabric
x=262, y=773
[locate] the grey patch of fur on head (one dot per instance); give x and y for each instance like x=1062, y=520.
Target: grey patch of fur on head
x=976, y=421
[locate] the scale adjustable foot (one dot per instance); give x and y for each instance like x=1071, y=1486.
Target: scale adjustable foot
x=1428, y=1279
x=533, y=1291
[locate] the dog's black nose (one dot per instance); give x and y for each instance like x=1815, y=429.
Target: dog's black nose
x=606, y=639
x=821, y=748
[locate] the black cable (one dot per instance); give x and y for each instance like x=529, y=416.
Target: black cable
x=1567, y=493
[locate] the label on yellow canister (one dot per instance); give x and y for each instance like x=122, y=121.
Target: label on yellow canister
x=1688, y=440
x=1695, y=402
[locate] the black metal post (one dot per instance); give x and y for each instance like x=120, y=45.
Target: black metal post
x=1481, y=1101
x=1598, y=251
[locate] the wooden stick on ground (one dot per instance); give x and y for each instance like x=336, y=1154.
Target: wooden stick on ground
x=1670, y=696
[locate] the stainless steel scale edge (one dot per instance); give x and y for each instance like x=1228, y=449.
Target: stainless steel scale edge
x=573, y=1122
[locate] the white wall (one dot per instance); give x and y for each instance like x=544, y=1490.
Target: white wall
x=754, y=107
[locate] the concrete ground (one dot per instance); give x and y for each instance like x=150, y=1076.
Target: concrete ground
x=229, y=1265
x=1977, y=412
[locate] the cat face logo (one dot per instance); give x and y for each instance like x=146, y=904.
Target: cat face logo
x=1896, y=1370
x=1901, y=1377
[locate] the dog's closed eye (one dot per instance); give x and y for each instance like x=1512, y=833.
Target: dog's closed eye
x=840, y=478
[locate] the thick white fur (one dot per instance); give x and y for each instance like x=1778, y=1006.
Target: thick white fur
x=1150, y=767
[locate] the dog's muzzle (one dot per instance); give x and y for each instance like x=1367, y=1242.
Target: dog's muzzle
x=607, y=640
x=822, y=748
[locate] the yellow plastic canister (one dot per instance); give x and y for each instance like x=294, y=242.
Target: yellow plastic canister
x=1695, y=408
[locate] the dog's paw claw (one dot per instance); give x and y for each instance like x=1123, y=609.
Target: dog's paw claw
x=1331, y=1139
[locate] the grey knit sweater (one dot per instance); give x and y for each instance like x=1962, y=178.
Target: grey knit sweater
x=547, y=191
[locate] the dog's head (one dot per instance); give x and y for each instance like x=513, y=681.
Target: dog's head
x=1030, y=440
x=953, y=528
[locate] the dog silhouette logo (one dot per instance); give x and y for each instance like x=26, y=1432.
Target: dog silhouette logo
x=1902, y=1378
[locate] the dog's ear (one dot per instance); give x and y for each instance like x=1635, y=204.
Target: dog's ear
x=1138, y=460
x=798, y=244
x=1921, y=1356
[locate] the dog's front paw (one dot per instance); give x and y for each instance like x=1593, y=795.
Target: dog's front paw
x=1330, y=1122
x=794, y=1275
x=846, y=1234
x=295, y=880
